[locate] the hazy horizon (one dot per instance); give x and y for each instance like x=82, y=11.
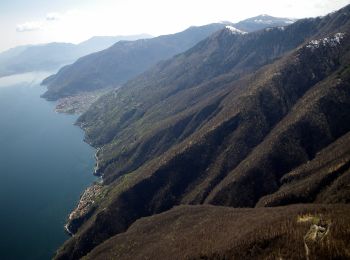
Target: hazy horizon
x=42, y=21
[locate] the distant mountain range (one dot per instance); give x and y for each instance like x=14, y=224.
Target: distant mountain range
x=124, y=60
x=52, y=56
x=231, y=129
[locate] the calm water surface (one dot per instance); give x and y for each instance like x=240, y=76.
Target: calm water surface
x=44, y=167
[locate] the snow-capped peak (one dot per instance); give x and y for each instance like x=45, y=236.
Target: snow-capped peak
x=234, y=30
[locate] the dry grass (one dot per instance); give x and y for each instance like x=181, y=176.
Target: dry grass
x=207, y=232
x=308, y=218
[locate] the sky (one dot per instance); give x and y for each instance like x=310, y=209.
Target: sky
x=41, y=21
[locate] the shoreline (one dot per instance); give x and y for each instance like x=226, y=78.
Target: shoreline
x=85, y=205
x=79, y=103
x=84, y=208
x=66, y=160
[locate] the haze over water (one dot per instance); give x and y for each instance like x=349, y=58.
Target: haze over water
x=44, y=167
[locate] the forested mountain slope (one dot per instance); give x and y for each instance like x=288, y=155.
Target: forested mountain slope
x=239, y=120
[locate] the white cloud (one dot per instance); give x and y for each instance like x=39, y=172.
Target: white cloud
x=39, y=25
x=53, y=16
x=29, y=26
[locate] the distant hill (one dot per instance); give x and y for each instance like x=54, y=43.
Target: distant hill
x=113, y=67
x=99, y=43
x=54, y=55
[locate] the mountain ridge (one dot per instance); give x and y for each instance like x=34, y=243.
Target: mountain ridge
x=115, y=65
x=208, y=127
x=76, y=77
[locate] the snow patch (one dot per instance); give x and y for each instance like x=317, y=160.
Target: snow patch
x=327, y=41
x=235, y=30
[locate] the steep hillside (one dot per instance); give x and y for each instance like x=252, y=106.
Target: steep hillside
x=52, y=56
x=239, y=120
x=324, y=179
x=125, y=118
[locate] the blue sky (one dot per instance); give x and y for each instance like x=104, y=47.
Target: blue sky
x=41, y=21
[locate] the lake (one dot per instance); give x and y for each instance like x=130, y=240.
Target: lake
x=44, y=167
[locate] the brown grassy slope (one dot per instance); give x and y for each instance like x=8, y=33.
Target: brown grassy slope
x=208, y=232
x=325, y=179
x=188, y=172
x=318, y=119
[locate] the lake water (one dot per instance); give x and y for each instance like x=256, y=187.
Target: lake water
x=44, y=167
